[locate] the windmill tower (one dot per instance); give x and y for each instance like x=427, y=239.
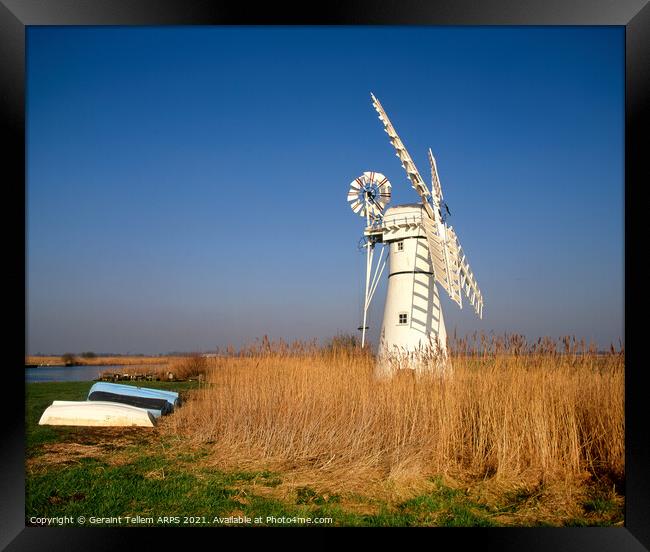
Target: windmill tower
x=422, y=251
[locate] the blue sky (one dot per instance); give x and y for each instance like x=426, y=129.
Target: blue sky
x=186, y=186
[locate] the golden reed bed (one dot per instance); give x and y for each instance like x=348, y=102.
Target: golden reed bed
x=512, y=412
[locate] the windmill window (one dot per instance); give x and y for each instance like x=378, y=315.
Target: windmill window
x=403, y=318
x=400, y=246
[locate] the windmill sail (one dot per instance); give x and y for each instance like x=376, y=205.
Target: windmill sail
x=405, y=158
x=435, y=181
x=451, y=268
x=467, y=281
x=445, y=266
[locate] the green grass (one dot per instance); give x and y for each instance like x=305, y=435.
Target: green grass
x=149, y=486
x=447, y=507
x=142, y=472
x=38, y=397
x=152, y=486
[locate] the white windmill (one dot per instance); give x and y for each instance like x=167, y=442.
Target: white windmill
x=422, y=250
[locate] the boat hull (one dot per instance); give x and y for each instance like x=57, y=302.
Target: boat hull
x=132, y=390
x=96, y=413
x=157, y=407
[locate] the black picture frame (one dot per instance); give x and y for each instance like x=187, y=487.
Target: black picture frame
x=634, y=15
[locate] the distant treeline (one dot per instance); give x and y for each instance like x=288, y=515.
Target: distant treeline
x=92, y=354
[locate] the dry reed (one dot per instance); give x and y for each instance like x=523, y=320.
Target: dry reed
x=539, y=412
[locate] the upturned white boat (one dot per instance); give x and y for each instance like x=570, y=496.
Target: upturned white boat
x=96, y=413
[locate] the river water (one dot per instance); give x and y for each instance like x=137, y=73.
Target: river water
x=67, y=373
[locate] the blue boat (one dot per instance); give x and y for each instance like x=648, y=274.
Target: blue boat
x=157, y=406
x=170, y=396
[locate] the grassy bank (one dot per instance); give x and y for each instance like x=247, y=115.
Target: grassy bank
x=276, y=437
x=41, y=395
x=147, y=474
